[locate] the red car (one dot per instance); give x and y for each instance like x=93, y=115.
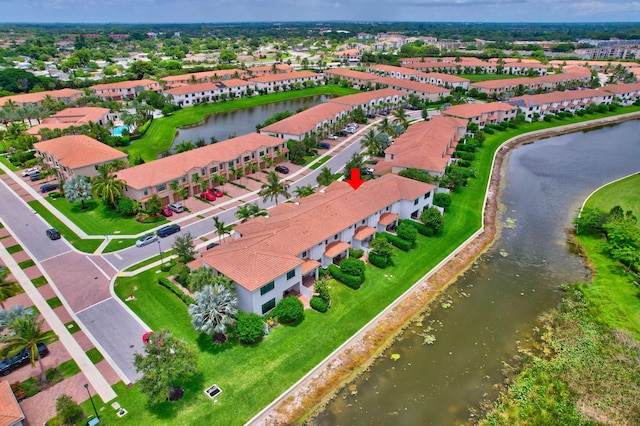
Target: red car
x=216, y=192
x=166, y=212
x=209, y=196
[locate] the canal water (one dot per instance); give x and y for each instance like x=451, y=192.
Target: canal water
x=452, y=359
x=243, y=121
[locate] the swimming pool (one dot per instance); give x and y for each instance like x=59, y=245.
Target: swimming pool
x=117, y=131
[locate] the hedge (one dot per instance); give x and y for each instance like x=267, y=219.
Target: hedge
x=351, y=266
x=164, y=282
x=379, y=260
x=403, y=245
x=355, y=254
x=346, y=279
x=319, y=304
x=407, y=232
x=423, y=229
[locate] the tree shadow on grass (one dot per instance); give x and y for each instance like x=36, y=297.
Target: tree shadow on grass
x=206, y=344
x=170, y=410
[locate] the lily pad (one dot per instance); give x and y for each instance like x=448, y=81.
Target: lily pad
x=395, y=357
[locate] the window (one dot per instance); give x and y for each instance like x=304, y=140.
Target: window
x=162, y=187
x=304, y=254
x=267, y=288
x=268, y=306
x=145, y=192
x=203, y=171
x=291, y=274
x=184, y=178
x=213, y=170
x=230, y=163
x=416, y=201
x=427, y=195
x=261, y=153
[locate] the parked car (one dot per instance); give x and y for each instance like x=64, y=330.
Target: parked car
x=29, y=172
x=48, y=187
x=282, y=169
x=166, y=212
x=218, y=193
x=341, y=133
x=53, y=234
x=384, y=112
x=11, y=363
x=332, y=137
x=35, y=176
x=354, y=125
x=165, y=231
x=367, y=171
x=176, y=207
x=371, y=116
x=324, y=145
x=147, y=239
x=209, y=196
x=212, y=245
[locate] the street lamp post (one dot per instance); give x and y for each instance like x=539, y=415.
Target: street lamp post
x=160, y=250
x=86, y=386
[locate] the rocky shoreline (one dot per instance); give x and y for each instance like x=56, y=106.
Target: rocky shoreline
x=312, y=393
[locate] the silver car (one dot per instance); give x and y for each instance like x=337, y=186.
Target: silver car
x=147, y=239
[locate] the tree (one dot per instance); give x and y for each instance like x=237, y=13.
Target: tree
x=108, y=188
x=68, y=412
x=183, y=245
x=8, y=315
x=8, y=288
x=432, y=217
x=303, y=191
x=200, y=278
x=140, y=69
x=273, y=188
x=27, y=333
x=248, y=211
x=289, y=310
x=221, y=228
x=325, y=177
x=77, y=188
x=400, y=117
x=591, y=221
x=165, y=360
x=249, y=327
x=154, y=205
x=227, y=56
x=215, y=309
x=355, y=162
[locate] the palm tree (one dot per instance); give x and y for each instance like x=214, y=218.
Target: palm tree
x=400, y=117
x=197, y=180
x=272, y=188
x=221, y=228
x=243, y=213
x=8, y=288
x=77, y=188
x=384, y=126
x=214, y=310
x=369, y=141
x=325, y=177
x=27, y=334
x=108, y=188
x=257, y=210
x=304, y=191
x=174, y=186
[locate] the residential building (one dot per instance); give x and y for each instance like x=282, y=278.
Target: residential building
x=445, y=80
x=482, y=114
x=270, y=83
x=73, y=117
x=426, y=91
x=203, y=77
x=426, y=145
x=124, y=90
x=315, y=119
x=568, y=101
x=192, y=94
x=357, y=79
x=373, y=100
x=220, y=158
x=269, y=69
x=352, y=56
x=25, y=99
x=76, y=155
x=10, y=410
x=547, y=82
x=279, y=255
x=396, y=72
x=626, y=94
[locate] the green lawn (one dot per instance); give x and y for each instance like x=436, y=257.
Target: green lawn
x=163, y=130
x=474, y=78
x=95, y=355
x=118, y=244
x=625, y=193
x=98, y=219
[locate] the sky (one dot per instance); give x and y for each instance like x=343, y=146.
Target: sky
x=212, y=11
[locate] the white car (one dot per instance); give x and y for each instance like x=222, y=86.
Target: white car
x=176, y=207
x=147, y=239
x=29, y=172
x=332, y=137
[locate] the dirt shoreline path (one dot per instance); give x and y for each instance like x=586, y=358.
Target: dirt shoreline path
x=316, y=388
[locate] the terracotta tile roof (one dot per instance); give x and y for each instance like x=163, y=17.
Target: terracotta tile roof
x=10, y=411
x=335, y=248
x=366, y=97
x=621, y=89
x=475, y=110
x=78, y=115
x=412, y=85
x=34, y=98
x=424, y=145
x=507, y=82
x=233, y=82
x=79, y=151
x=309, y=265
x=173, y=167
x=269, y=246
x=129, y=84
x=388, y=218
x=365, y=76
x=268, y=68
x=364, y=232
x=204, y=74
x=267, y=78
x=391, y=68
x=192, y=88
x=557, y=96
x=446, y=77
x=307, y=120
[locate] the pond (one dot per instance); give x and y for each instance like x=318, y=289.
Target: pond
x=476, y=323
x=242, y=121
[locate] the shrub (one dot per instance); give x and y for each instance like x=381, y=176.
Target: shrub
x=468, y=156
x=352, y=266
x=55, y=194
x=249, y=327
x=18, y=391
x=488, y=131
x=183, y=276
x=128, y=207
x=432, y=218
x=548, y=118
x=402, y=244
x=289, y=310
x=164, y=282
x=68, y=411
x=407, y=232
x=319, y=304
x=322, y=289
x=442, y=200
x=348, y=280
x=379, y=261
x=463, y=163
x=416, y=174
x=356, y=254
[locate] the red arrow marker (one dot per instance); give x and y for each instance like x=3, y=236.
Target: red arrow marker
x=355, y=180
